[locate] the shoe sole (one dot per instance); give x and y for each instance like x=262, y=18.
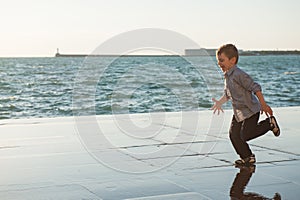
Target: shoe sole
x=276, y=130
x=244, y=165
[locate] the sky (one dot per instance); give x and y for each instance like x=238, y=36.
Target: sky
x=38, y=27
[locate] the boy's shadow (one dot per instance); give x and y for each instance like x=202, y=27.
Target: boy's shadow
x=242, y=178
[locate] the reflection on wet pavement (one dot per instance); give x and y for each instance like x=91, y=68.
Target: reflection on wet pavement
x=237, y=190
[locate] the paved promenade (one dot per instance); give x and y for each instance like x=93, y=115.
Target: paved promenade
x=145, y=156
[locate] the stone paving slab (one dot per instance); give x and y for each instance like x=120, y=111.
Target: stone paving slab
x=144, y=156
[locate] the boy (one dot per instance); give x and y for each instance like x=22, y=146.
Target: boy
x=240, y=89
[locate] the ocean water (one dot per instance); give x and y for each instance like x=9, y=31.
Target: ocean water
x=51, y=87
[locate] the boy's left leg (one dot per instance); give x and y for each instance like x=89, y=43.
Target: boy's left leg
x=251, y=129
x=240, y=146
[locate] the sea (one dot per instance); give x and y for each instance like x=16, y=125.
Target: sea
x=67, y=86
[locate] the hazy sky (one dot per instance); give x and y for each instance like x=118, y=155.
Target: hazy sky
x=38, y=27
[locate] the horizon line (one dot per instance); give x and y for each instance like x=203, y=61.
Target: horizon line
x=85, y=55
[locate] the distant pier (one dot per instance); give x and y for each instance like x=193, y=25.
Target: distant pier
x=69, y=55
x=110, y=55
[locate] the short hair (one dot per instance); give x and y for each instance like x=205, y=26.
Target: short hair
x=230, y=51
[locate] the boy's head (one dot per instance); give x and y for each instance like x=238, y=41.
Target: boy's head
x=227, y=56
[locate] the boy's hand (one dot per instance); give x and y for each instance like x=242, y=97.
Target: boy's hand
x=267, y=109
x=217, y=106
x=264, y=107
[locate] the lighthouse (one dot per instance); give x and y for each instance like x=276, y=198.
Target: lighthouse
x=57, y=53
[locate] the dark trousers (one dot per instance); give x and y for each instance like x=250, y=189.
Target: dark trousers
x=241, y=132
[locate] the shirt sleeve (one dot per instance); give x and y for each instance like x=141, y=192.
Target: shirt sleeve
x=226, y=94
x=247, y=82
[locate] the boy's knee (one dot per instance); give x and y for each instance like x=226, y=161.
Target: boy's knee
x=238, y=136
x=244, y=139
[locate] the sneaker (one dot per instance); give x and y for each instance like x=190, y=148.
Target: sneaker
x=274, y=126
x=247, y=161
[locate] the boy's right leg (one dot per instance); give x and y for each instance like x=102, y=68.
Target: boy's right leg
x=251, y=129
x=240, y=146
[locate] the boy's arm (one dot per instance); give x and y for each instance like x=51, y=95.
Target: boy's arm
x=218, y=104
x=247, y=82
x=264, y=106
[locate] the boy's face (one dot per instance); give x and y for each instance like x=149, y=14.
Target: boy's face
x=225, y=63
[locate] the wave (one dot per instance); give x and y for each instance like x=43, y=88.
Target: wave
x=291, y=73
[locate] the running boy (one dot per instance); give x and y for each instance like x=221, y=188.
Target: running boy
x=241, y=90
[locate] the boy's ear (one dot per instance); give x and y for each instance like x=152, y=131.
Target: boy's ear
x=233, y=60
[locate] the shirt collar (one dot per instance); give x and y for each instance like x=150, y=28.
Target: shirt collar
x=230, y=71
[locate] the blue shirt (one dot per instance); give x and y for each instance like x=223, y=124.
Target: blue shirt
x=240, y=89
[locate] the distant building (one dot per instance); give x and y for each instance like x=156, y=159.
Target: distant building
x=210, y=52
